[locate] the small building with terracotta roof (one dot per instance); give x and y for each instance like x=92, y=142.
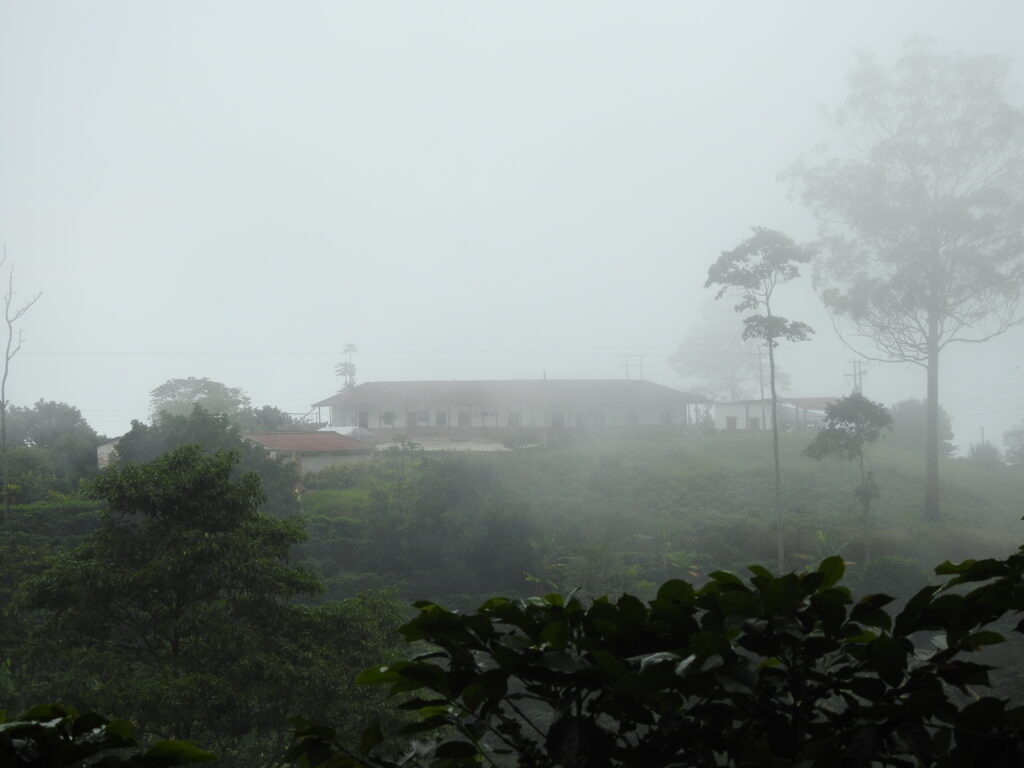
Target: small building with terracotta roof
x=510, y=409
x=311, y=451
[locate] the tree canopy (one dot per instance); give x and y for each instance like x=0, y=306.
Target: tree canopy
x=179, y=612
x=214, y=432
x=59, y=434
x=923, y=222
x=910, y=427
x=179, y=396
x=1013, y=442
x=850, y=423
x=716, y=361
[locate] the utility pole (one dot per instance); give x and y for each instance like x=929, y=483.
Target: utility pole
x=633, y=360
x=857, y=376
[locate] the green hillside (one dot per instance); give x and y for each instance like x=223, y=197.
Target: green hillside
x=622, y=514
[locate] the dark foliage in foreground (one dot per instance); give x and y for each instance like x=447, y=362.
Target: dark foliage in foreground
x=181, y=613
x=774, y=671
x=50, y=736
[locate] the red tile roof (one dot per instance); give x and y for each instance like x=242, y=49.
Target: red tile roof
x=309, y=442
x=552, y=392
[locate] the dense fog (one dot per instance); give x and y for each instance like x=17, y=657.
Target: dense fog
x=463, y=190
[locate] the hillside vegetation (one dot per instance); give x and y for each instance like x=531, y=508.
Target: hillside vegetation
x=614, y=515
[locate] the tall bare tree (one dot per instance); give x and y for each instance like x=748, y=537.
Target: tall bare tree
x=752, y=271
x=922, y=218
x=15, y=336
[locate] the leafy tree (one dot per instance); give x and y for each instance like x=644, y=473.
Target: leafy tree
x=1013, y=442
x=62, y=433
x=214, y=432
x=851, y=423
x=922, y=224
x=910, y=427
x=984, y=455
x=772, y=671
x=267, y=419
x=717, y=362
x=752, y=271
x=32, y=474
x=179, y=613
x=179, y=396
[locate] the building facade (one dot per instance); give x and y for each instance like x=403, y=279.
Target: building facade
x=795, y=413
x=504, y=409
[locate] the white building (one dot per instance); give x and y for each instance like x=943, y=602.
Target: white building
x=502, y=409
x=752, y=415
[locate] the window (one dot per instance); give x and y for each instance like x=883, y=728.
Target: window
x=513, y=418
x=463, y=418
x=557, y=419
x=422, y=417
x=730, y=422
x=666, y=418
x=441, y=419
x=754, y=424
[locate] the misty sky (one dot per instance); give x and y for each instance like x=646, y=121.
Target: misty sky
x=466, y=190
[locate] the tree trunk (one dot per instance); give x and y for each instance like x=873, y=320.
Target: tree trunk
x=3, y=435
x=779, y=539
x=3, y=465
x=865, y=490
x=931, y=483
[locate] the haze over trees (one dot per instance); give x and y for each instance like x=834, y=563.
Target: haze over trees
x=85, y=579
x=984, y=455
x=714, y=360
x=922, y=219
x=1013, y=440
x=178, y=397
x=752, y=271
x=852, y=423
x=213, y=432
x=910, y=427
x=180, y=611
x=177, y=589
x=54, y=436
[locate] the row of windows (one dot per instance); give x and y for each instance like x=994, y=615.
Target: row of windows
x=464, y=418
